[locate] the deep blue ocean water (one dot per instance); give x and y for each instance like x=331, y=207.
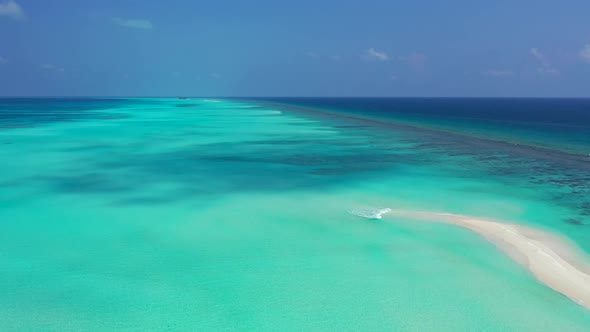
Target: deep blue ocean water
x=555, y=123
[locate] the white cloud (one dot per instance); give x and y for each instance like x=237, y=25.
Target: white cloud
x=497, y=73
x=373, y=54
x=12, y=9
x=134, y=24
x=585, y=53
x=545, y=65
x=3, y=60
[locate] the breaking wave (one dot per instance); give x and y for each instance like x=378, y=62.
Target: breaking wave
x=370, y=213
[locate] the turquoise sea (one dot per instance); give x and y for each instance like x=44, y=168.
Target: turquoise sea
x=233, y=215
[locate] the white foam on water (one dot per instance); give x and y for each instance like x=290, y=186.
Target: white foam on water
x=266, y=112
x=370, y=213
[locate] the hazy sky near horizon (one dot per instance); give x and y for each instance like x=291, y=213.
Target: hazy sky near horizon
x=295, y=48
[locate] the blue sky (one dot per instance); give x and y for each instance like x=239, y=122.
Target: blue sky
x=295, y=48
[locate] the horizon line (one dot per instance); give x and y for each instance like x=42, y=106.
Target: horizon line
x=292, y=97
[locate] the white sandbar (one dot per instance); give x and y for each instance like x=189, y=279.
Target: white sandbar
x=552, y=260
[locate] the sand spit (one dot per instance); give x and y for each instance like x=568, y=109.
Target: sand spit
x=551, y=259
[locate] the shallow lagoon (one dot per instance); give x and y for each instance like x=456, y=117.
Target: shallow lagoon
x=223, y=214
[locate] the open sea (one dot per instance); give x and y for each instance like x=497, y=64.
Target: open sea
x=166, y=214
